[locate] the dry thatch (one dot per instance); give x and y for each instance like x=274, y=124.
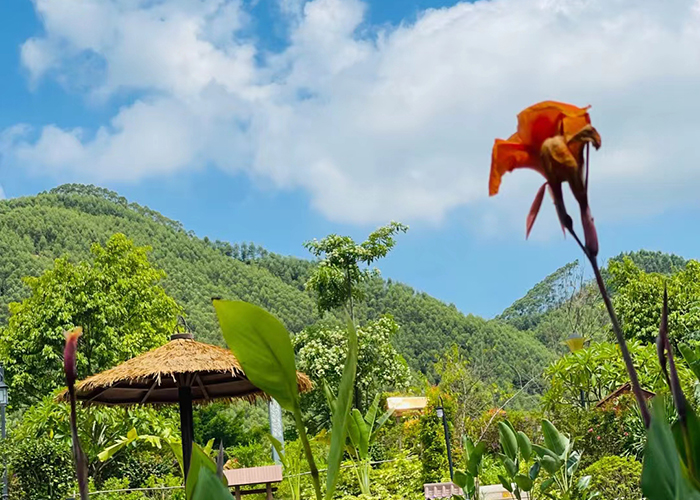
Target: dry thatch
x=155, y=376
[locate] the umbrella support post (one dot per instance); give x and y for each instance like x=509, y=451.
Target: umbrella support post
x=186, y=425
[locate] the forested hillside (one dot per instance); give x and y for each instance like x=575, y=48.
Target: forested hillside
x=68, y=219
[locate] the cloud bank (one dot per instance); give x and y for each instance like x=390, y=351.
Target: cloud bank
x=372, y=122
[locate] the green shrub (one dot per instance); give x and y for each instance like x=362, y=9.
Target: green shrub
x=250, y=455
x=616, y=478
x=401, y=479
x=42, y=469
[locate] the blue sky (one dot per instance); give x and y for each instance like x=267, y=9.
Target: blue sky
x=278, y=121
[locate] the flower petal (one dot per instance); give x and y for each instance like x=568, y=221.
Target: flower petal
x=547, y=119
x=505, y=157
x=534, y=210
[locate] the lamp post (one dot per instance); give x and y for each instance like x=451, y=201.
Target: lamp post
x=441, y=414
x=3, y=405
x=575, y=342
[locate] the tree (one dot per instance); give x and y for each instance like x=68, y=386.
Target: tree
x=471, y=394
x=117, y=299
x=337, y=278
x=598, y=370
x=321, y=351
x=639, y=295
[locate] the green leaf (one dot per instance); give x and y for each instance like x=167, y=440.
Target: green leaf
x=474, y=458
x=263, y=347
x=460, y=479
x=534, y=471
x=330, y=397
x=523, y=482
x=371, y=414
x=551, y=464
x=199, y=461
x=584, y=483
x=546, y=484
x=553, y=439
x=691, y=455
x=382, y=420
x=209, y=487
x=542, y=452
x=342, y=413
x=525, y=445
x=692, y=357
x=279, y=448
x=572, y=463
x=506, y=484
x=662, y=476
x=509, y=442
x=510, y=466
x=359, y=434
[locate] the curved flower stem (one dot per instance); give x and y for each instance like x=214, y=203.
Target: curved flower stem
x=629, y=364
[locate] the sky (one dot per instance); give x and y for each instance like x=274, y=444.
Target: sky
x=279, y=121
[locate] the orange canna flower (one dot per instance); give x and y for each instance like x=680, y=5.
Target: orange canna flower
x=551, y=139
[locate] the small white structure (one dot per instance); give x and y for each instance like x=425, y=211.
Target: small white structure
x=492, y=492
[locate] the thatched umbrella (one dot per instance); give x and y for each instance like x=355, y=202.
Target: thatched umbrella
x=182, y=371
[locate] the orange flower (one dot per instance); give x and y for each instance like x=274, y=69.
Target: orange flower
x=551, y=139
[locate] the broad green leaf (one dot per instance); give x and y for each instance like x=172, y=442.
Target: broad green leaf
x=330, y=397
x=692, y=357
x=279, y=448
x=523, y=482
x=342, y=413
x=572, y=463
x=662, y=476
x=506, y=484
x=543, y=452
x=551, y=464
x=460, y=479
x=382, y=420
x=525, y=445
x=509, y=443
x=372, y=412
x=546, y=484
x=209, y=487
x=534, y=471
x=510, y=466
x=263, y=347
x=132, y=435
x=475, y=457
x=199, y=461
x=553, y=439
x=692, y=455
x=359, y=435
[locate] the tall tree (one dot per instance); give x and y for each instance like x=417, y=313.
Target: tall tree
x=117, y=299
x=639, y=295
x=337, y=278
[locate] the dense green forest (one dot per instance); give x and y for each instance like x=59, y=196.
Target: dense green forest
x=68, y=219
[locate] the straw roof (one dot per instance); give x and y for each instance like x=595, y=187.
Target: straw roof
x=155, y=376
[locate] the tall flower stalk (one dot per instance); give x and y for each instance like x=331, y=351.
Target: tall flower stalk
x=554, y=139
x=69, y=367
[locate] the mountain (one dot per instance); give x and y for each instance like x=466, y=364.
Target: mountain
x=68, y=219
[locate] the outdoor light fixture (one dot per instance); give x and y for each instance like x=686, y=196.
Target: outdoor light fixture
x=575, y=342
x=441, y=414
x=4, y=389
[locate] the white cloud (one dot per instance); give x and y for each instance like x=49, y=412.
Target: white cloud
x=375, y=123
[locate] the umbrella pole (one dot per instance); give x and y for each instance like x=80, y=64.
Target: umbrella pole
x=186, y=425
